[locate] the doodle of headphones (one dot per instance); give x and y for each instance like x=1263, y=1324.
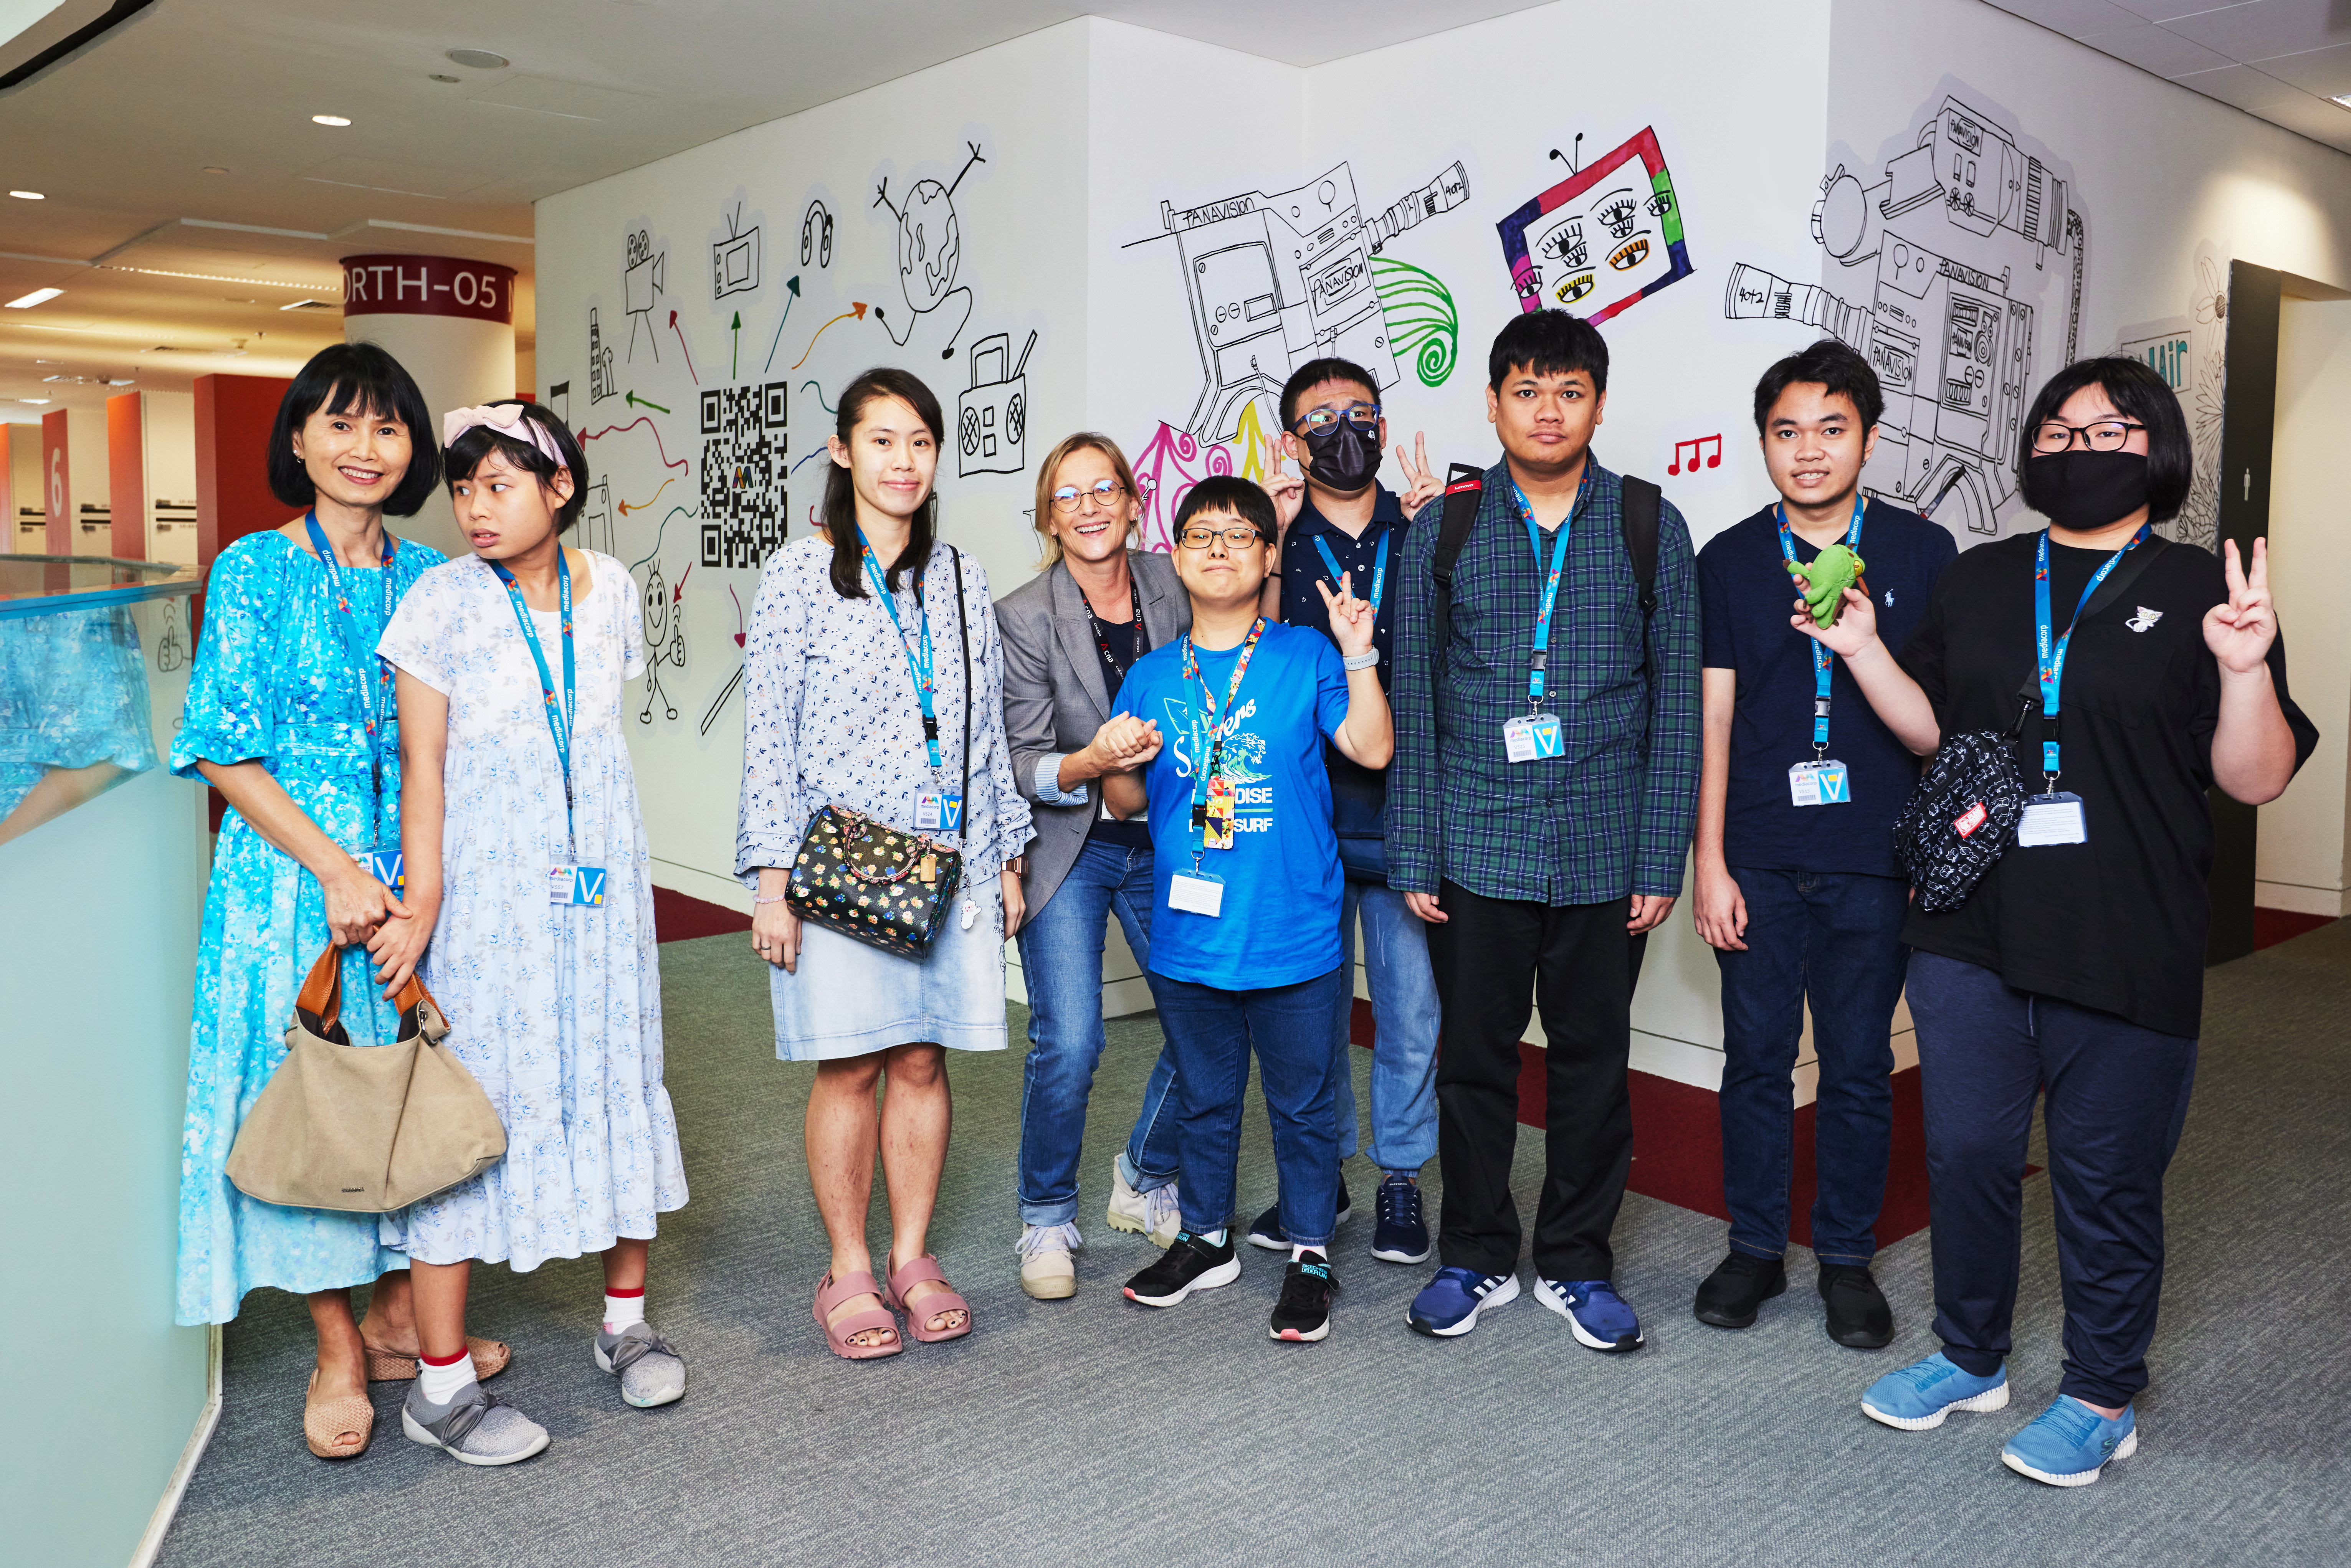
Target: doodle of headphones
x=816, y=235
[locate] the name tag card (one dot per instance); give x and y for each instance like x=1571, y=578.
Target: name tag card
x=384, y=864
x=582, y=886
x=1196, y=893
x=1820, y=784
x=1529, y=738
x=2052, y=819
x=939, y=813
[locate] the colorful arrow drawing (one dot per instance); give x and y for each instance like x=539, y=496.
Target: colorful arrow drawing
x=689, y=352
x=793, y=284
x=626, y=507
x=857, y=308
x=634, y=401
x=819, y=396
x=667, y=461
x=735, y=361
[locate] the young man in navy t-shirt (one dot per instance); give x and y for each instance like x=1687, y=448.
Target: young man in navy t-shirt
x=1797, y=887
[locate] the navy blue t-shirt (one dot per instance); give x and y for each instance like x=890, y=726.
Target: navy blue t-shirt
x=1745, y=598
x=1358, y=794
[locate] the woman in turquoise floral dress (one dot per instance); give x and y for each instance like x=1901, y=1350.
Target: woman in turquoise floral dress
x=289, y=716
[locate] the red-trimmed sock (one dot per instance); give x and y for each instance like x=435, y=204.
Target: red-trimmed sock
x=442, y=1381
x=622, y=1308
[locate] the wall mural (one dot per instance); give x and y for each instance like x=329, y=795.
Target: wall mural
x=2190, y=352
x=1602, y=240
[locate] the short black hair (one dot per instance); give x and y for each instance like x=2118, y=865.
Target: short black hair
x=467, y=452
x=1312, y=374
x=1228, y=493
x=360, y=378
x=2141, y=396
x=1549, y=343
x=1828, y=364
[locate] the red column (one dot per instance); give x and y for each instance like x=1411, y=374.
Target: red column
x=233, y=415
x=126, y=474
x=56, y=482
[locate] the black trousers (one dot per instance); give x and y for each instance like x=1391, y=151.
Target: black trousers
x=1497, y=960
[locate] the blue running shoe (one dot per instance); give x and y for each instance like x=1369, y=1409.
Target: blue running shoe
x=1594, y=1311
x=2069, y=1443
x=1400, y=1235
x=1449, y=1305
x=1919, y=1396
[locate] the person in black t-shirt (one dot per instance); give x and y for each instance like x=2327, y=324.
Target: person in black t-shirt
x=1797, y=887
x=2075, y=965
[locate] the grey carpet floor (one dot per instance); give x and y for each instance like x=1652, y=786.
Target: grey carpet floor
x=1094, y=1431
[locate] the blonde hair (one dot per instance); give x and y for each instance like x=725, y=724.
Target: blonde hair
x=1082, y=441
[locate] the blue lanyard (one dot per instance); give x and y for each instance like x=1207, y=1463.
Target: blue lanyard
x=1379, y=567
x=919, y=669
x=373, y=700
x=1821, y=658
x=1213, y=742
x=2053, y=657
x=1538, y=660
x=559, y=716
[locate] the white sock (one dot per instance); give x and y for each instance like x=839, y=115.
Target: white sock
x=1297, y=1253
x=1214, y=1237
x=620, y=1311
x=444, y=1384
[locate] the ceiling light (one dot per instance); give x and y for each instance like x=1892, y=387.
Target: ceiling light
x=480, y=60
x=307, y=305
x=328, y=120
x=2341, y=97
x=36, y=401
x=37, y=297
x=214, y=169
x=28, y=195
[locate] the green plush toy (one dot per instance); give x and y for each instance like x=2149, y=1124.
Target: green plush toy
x=1823, y=583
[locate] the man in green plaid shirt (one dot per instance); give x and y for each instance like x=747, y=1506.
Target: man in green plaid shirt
x=1542, y=842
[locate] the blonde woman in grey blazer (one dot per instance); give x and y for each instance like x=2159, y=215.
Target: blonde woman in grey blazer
x=1068, y=635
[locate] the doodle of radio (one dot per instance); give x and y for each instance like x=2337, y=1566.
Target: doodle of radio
x=992, y=415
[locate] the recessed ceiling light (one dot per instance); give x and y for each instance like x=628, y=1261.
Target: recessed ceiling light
x=214, y=169
x=328, y=120
x=480, y=60
x=38, y=295
x=36, y=401
x=29, y=195
x=440, y=76
x=2341, y=97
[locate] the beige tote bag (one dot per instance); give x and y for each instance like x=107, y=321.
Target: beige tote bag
x=364, y=1129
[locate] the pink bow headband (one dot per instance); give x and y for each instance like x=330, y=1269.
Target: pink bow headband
x=504, y=419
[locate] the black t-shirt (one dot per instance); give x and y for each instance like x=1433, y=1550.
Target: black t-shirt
x=1745, y=597
x=1118, y=643
x=2117, y=923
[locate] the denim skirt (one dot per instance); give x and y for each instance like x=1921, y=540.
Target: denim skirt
x=849, y=999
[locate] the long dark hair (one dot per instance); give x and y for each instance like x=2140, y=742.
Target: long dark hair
x=466, y=454
x=356, y=379
x=840, y=493
x=2141, y=396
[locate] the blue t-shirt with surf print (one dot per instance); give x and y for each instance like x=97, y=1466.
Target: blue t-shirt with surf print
x=1279, y=921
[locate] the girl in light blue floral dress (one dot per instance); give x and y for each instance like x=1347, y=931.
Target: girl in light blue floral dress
x=528, y=870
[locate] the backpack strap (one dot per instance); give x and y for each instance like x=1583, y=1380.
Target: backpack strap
x=1464, y=488
x=1641, y=501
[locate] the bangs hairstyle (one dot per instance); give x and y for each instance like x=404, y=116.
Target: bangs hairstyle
x=1828, y=364
x=2140, y=396
x=361, y=379
x=1312, y=374
x=1227, y=493
x=1547, y=343
x=1047, y=471
x=840, y=493
x=466, y=454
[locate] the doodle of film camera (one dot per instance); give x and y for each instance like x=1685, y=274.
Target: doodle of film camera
x=992, y=415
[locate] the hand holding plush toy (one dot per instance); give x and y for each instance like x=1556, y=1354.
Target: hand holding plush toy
x=1823, y=583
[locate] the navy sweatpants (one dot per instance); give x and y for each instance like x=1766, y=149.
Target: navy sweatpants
x=2118, y=1097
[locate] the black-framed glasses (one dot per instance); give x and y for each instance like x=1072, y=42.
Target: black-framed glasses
x=1200, y=536
x=1103, y=493
x=1364, y=416
x=2101, y=435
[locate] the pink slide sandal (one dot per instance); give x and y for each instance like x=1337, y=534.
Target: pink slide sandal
x=830, y=1293
x=914, y=1273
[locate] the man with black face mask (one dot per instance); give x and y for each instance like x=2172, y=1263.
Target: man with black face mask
x=1337, y=518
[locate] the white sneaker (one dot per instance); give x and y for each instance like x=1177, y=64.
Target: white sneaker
x=1048, y=1272
x=1152, y=1214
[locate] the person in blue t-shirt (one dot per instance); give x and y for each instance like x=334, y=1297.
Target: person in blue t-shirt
x=1797, y=887
x=1245, y=931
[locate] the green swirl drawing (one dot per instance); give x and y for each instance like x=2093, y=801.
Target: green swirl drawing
x=1421, y=319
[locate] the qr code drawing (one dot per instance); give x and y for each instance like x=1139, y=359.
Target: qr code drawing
x=744, y=470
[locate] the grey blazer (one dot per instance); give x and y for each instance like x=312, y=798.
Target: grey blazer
x=1055, y=696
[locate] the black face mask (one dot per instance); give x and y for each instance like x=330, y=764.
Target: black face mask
x=1345, y=458
x=2085, y=490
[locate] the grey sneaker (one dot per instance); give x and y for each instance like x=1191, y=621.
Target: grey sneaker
x=651, y=1373
x=474, y=1428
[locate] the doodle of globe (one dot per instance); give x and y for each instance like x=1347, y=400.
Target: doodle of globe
x=930, y=244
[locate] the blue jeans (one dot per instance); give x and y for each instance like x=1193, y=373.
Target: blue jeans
x=1837, y=938
x=1060, y=960
x=1404, y=1016
x=1210, y=1033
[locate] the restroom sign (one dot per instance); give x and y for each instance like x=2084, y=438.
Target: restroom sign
x=428, y=286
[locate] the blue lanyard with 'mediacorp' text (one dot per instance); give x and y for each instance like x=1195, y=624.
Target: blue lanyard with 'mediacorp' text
x=919, y=667
x=1539, y=659
x=2052, y=656
x=373, y=700
x=1821, y=657
x=559, y=716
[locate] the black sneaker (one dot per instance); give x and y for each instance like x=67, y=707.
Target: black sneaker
x=1400, y=1234
x=1265, y=1230
x=1303, y=1313
x=1740, y=1283
x=1858, y=1317
x=1191, y=1264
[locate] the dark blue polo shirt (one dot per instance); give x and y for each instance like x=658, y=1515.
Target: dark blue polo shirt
x=1745, y=598
x=1358, y=795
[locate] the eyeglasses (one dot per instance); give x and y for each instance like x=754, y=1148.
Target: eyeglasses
x=1364, y=416
x=1103, y=493
x=2106, y=435
x=1200, y=537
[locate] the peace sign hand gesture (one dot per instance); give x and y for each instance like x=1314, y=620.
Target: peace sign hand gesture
x=1421, y=485
x=2240, y=632
x=1350, y=618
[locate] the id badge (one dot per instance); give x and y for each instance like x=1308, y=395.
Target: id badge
x=1532, y=736
x=385, y=865
x=1216, y=832
x=1197, y=892
x=2052, y=819
x=937, y=813
x=582, y=886
x=1820, y=784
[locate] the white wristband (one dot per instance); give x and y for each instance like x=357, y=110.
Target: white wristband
x=1362, y=660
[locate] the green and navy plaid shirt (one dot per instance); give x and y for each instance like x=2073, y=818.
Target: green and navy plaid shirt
x=1612, y=814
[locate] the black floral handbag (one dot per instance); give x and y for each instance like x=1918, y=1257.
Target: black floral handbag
x=876, y=883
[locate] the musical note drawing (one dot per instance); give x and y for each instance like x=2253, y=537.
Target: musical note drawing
x=1697, y=449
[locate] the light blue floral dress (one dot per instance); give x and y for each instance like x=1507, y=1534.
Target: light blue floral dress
x=554, y=1009
x=275, y=682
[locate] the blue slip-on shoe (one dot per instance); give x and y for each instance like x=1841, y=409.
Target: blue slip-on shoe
x=1598, y=1316
x=1449, y=1305
x=1920, y=1394
x=2069, y=1443
x=1399, y=1233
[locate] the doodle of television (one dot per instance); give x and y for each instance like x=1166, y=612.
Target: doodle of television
x=992, y=415
x=734, y=261
x=1606, y=237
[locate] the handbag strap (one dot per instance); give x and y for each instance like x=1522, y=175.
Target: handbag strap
x=320, y=1000
x=963, y=627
